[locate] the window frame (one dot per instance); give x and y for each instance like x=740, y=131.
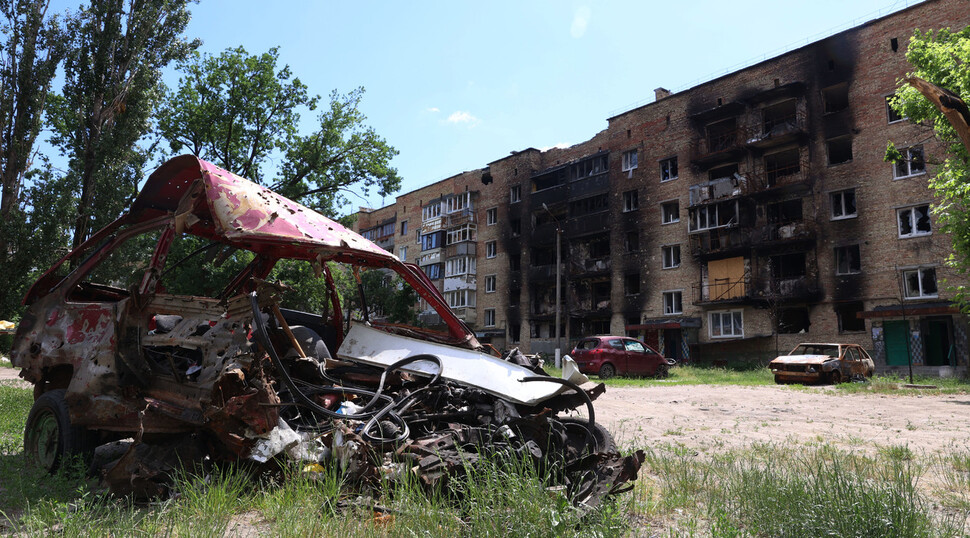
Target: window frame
x=919, y=271
x=908, y=160
x=491, y=283
x=631, y=201
x=515, y=194
x=625, y=160
x=485, y=316
x=890, y=112
x=491, y=216
x=913, y=221
x=837, y=253
x=663, y=212
x=676, y=167
x=842, y=205
x=663, y=256
x=721, y=315
x=680, y=301
x=491, y=249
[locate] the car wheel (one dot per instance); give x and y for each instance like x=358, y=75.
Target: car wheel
x=663, y=370
x=779, y=381
x=835, y=377
x=607, y=371
x=578, y=430
x=49, y=436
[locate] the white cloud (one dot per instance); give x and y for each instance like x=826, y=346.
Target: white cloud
x=561, y=145
x=580, y=21
x=460, y=116
x=432, y=109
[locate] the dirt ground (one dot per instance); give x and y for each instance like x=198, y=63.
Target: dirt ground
x=705, y=417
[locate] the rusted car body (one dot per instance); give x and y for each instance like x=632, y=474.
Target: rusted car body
x=232, y=375
x=818, y=363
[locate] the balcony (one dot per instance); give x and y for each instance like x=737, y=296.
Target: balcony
x=721, y=146
x=718, y=241
x=786, y=233
x=722, y=291
x=548, y=196
x=468, y=314
x=800, y=288
x=588, y=224
x=542, y=272
x=712, y=191
x=590, y=185
x=779, y=130
x=464, y=248
x=460, y=217
x=589, y=267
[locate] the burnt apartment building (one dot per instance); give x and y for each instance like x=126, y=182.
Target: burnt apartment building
x=724, y=222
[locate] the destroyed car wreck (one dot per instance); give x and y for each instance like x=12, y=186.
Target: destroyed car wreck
x=232, y=376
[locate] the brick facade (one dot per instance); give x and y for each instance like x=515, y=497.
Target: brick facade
x=759, y=214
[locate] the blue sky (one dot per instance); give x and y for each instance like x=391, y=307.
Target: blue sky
x=454, y=85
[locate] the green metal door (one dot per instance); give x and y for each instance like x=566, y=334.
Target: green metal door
x=897, y=342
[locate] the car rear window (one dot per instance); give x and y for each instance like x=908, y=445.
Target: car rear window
x=616, y=344
x=587, y=345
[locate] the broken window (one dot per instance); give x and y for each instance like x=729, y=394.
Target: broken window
x=601, y=294
x=668, y=169
x=793, y=320
x=849, y=320
x=847, y=260
x=549, y=180
x=515, y=262
x=489, y=317
x=722, y=172
x=671, y=256
x=515, y=194
x=781, y=164
x=670, y=212
x=784, y=212
x=491, y=216
x=404, y=227
x=632, y=241
x=714, y=216
x=673, y=302
x=891, y=112
x=911, y=164
x=779, y=117
x=588, y=167
x=491, y=249
x=840, y=150
x=722, y=135
x=631, y=284
x=514, y=332
x=726, y=324
x=599, y=247
x=629, y=161
x=835, y=98
x=843, y=204
x=914, y=221
x=585, y=206
x=599, y=326
x=631, y=201
x=516, y=226
x=490, y=281
x=788, y=266
x=920, y=283
x=515, y=297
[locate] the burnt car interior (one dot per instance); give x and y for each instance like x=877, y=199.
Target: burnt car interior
x=195, y=356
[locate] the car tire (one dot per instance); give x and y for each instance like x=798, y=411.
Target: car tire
x=779, y=381
x=607, y=371
x=835, y=377
x=602, y=438
x=663, y=370
x=49, y=436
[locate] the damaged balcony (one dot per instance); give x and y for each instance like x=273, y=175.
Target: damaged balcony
x=780, y=173
x=719, y=242
x=717, y=291
x=781, y=123
x=722, y=141
x=588, y=257
x=590, y=297
x=790, y=289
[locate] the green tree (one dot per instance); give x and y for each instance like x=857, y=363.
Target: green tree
x=112, y=90
x=31, y=48
x=935, y=94
x=242, y=112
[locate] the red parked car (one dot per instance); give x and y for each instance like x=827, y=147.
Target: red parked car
x=607, y=356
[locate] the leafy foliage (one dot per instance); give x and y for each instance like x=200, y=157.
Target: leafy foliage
x=112, y=89
x=941, y=57
x=242, y=112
